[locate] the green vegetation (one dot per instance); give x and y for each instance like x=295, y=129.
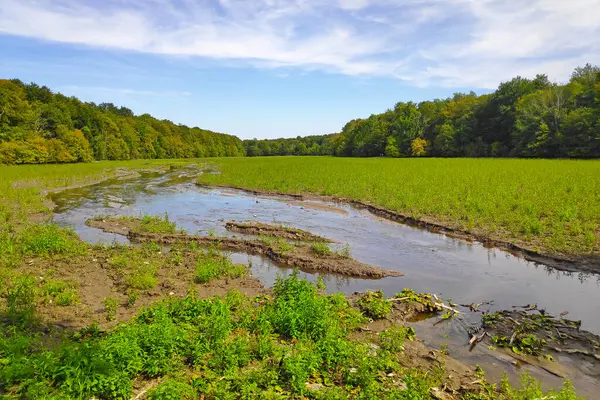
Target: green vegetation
x=60, y=292
x=375, y=305
x=111, y=305
x=295, y=345
x=38, y=126
x=549, y=205
x=212, y=265
x=522, y=118
x=321, y=249
x=157, y=224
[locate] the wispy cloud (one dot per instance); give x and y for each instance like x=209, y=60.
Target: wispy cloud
x=122, y=91
x=454, y=43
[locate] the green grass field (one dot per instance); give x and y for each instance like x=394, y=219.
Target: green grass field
x=273, y=347
x=551, y=206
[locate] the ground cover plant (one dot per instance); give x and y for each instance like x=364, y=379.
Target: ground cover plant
x=552, y=206
x=294, y=345
x=291, y=343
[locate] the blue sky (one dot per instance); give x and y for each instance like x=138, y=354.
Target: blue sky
x=282, y=68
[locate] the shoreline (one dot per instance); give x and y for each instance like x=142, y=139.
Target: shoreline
x=590, y=264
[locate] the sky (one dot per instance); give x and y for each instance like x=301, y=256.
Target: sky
x=283, y=68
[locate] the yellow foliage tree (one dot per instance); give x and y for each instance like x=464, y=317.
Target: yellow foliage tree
x=419, y=147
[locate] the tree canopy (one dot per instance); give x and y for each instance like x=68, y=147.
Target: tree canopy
x=522, y=118
x=39, y=126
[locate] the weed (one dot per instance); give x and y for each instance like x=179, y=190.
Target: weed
x=157, y=224
x=132, y=298
x=392, y=339
x=143, y=277
x=211, y=266
x=321, y=249
x=345, y=251
x=374, y=305
x=59, y=292
x=21, y=300
x=172, y=390
x=111, y=304
x=49, y=239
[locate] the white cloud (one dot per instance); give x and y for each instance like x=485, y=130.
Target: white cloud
x=122, y=91
x=455, y=43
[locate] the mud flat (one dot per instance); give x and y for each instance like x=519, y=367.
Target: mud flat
x=259, y=228
x=560, y=262
x=299, y=255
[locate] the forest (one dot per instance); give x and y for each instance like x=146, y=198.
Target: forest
x=38, y=126
x=522, y=118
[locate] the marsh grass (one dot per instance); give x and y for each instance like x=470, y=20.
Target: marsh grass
x=550, y=205
x=157, y=224
x=49, y=239
x=321, y=249
x=111, y=305
x=212, y=265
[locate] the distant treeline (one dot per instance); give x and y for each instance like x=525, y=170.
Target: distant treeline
x=522, y=118
x=38, y=126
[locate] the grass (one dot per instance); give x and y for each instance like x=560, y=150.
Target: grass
x=297, y=343
x=157, y=224
x=321, y=249
x=59, y=292
x=212, y=265
x=549, y=205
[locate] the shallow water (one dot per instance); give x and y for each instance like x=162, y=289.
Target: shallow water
x=454, y=269
x=451, y=268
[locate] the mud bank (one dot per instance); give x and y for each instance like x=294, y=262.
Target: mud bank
x=557, y=261
x=259, y=228
x=300, y=256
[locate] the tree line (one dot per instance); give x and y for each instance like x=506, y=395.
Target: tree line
x=522, y=118
x=39, y=126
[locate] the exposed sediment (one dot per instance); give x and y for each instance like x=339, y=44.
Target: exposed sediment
x=259, y=228
x=298, y=256
x=569, y=263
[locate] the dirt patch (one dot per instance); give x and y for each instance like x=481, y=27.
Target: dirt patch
x=301, y=256
x=569, y=263
x=259, y=228
x=95, y=278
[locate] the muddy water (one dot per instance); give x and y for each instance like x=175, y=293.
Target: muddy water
x=454, y=269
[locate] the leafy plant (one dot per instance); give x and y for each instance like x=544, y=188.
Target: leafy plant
x=375, y=305
x=172, y=390
x=392, y=339
x=111, y=304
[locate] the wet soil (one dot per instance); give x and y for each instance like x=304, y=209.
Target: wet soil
x=536, y=337
x=259, y=228
x=466, y=272
x=570, y=263
x=96, y=278
x=299, y=256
